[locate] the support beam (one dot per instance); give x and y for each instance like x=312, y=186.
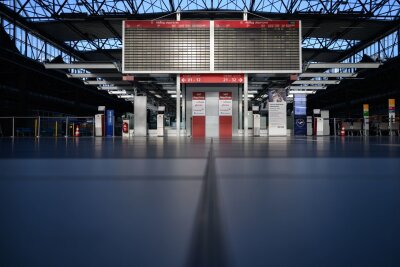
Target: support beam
x=302, y=92
x=316, y=82
x=94, y=75
x=106, y=82
x=307, y=87
x=87, y=65
x=116, y=87
x=343, y=65
x=327, y=75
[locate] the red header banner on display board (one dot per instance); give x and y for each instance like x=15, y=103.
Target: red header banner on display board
x=212, y=78
x=167, y=24
x=238, y=24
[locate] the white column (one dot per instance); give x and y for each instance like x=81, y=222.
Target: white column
x=184, y=107
x=178, y=105
x=240, y=98
x=245, y=105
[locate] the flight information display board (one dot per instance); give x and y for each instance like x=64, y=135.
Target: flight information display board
x=221, y=46
x=166, y=46
x=272, y=46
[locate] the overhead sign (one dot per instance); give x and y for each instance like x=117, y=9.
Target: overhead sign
x=198, y=104
x=212, y=78
x=128, y=78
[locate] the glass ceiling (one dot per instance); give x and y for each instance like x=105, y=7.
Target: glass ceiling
x=49, y=9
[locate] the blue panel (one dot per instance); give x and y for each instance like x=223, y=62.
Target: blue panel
x=110, y=122
x=300, y=125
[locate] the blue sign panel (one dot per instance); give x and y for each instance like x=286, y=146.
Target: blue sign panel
x=300, y=125
x=110, y=122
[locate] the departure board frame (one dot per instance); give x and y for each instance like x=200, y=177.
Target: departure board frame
x=232, y=46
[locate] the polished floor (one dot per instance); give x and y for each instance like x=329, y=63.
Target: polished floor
x=215, y=202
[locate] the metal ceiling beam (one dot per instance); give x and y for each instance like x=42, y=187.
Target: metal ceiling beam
x=301, y=92
x=87, y=65
x=94, y=75
x=31, y=27
x=327, y=75
x=343, y=65
x=106, y=82
x=307, y=87
x=316, y=82
x=116, y=87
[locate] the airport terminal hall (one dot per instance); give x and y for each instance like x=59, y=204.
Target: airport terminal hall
x=199, y=133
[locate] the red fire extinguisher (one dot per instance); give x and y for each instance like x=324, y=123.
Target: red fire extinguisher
x=125, y=127
x=342, y=132
x=77, y=133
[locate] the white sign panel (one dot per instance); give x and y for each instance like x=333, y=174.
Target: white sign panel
x=225, y=104
x=277, y=118
x=198, y=104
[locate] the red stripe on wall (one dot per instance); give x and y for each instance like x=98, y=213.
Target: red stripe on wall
x=198, y=126
x=225, y=126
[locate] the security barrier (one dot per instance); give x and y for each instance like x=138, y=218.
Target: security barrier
x=46, y=126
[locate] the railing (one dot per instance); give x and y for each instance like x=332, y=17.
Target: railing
x=378, y=126
x=46, y=126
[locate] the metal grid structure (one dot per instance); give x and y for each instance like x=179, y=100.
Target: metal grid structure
x=30, y=13
x=49, y=9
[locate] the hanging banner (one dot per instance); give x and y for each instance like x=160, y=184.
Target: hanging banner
x=225, y=114
x=277, y=112
x=198, y=114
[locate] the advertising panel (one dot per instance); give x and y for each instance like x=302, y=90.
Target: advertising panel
x=277, y=112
